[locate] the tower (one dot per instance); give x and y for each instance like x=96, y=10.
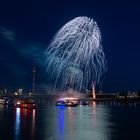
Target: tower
x=93, y=91
x=33, y=82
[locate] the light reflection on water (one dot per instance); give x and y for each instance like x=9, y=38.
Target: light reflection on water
x=33, y=122
x=17, y=124
x=94, y=113
x=96, y=121
x=23, y=116
x=82, y=123
x=61, y=122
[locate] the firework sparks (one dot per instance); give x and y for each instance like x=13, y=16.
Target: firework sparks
x=75, y=56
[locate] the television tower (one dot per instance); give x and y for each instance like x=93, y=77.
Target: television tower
x=33, y=84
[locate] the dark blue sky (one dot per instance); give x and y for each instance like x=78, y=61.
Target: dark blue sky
x=26, y=28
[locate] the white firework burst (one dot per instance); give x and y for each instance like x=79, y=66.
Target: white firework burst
x=75, y=56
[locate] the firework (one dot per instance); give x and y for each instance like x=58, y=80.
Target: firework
x=75, y=56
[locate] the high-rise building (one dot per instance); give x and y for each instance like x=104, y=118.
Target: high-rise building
x=20, y=91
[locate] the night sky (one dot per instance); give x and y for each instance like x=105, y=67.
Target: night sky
x=26, y=29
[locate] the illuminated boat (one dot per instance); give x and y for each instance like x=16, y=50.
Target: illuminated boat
x=66, y=103
x=25, y=103
x=84, y=102
x=60, y=103
x=2, y=101
x=5, y=101
x=71, y=104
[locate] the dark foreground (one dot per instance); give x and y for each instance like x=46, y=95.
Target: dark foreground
x=108, y=121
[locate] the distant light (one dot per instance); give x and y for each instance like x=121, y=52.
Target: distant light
x=18, y=103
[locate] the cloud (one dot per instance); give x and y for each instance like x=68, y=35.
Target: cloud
x=7, y=34
x=29, y=52
x=33, y=53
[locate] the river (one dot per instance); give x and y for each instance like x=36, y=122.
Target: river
x=102, y=121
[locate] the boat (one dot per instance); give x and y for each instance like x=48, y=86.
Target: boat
x=84, y=102
x=5, y=100
x=25, y=103
x=71, y=104
x=66, y=104
x=2, y=101
x=60, y=103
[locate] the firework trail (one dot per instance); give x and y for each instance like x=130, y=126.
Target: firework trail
x=75, y=56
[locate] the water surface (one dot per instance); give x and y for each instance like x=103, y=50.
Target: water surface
x=95, y=122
